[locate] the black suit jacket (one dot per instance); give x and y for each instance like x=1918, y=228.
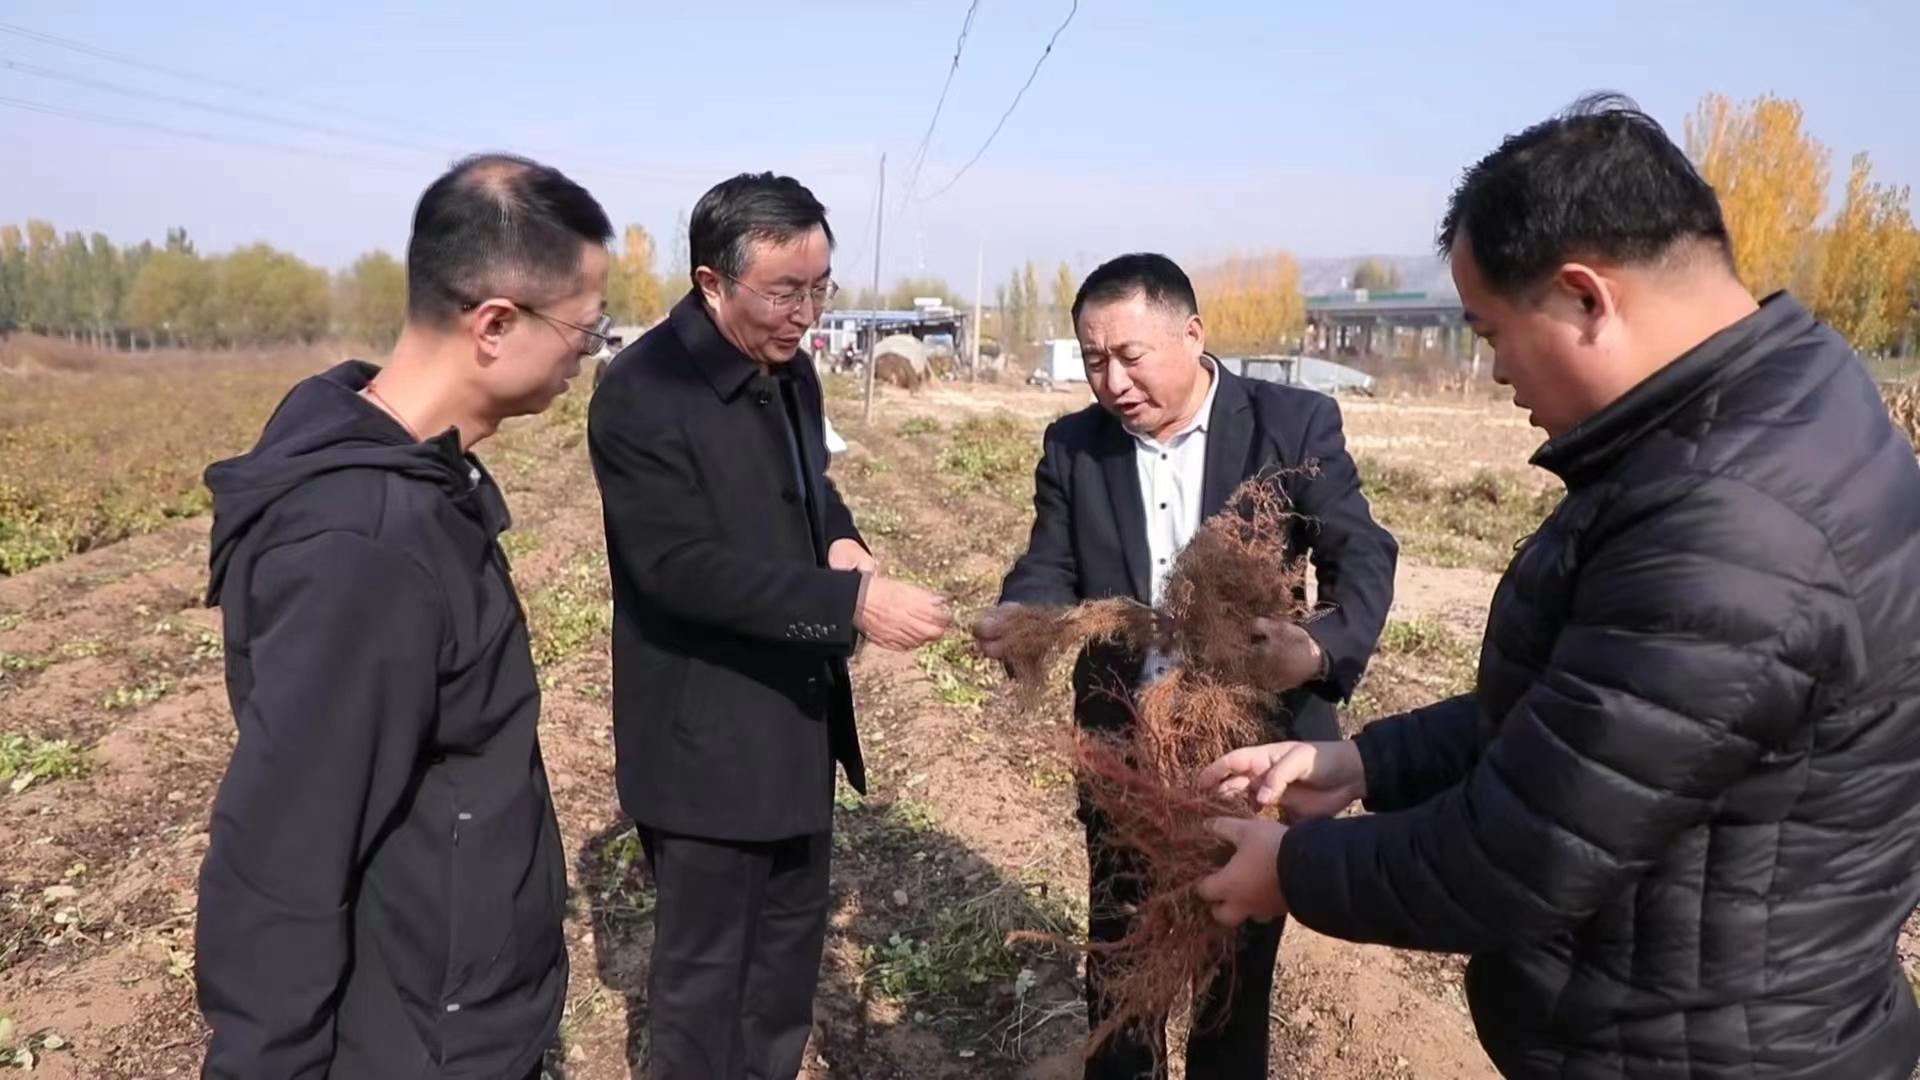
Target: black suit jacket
x=731, y=701
x=1089, y=535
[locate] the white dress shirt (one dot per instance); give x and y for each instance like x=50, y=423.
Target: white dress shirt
x=1172, y=474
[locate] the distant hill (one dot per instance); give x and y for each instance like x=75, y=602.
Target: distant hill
x=1418, y=273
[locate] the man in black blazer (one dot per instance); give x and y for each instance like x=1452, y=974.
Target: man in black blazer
x=740, y=587
x=1121, y=486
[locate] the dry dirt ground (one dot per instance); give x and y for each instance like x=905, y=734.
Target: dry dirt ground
x=966, y=834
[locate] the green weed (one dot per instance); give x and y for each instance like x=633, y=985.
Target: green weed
x=993, y=454
x=970, y=948
x=622, y=896
x=519, y=543
x=961, y=677
x=571, y=612
x=914, y=817
x=1435, y=649
x=20, y=664
x=81, y=648
x=25, y=760
x=139, y=696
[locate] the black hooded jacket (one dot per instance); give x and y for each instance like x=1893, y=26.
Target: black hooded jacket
x=1678, y=823
x=384, y=889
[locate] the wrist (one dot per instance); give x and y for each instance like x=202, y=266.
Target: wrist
x=1353, y=767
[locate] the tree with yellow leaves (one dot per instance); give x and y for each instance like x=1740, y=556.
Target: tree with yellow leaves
x=370, y=299
x=635, y=293
x=1063, y=290
x=1251, y=304
x=1375, y=275
x=1904, y=296
x=1771, y=177
x=1863, y=284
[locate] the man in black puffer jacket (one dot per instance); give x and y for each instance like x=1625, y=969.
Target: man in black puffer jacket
x=1677, y=822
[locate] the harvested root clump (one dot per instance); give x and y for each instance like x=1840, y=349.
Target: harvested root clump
x=1185, y=721
x=1174, y=949
x=1214, y=698
x=1038, y=637
x=1232, y=572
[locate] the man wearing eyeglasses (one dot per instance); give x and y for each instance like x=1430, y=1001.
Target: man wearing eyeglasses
x=384, y=884
x=740, y=587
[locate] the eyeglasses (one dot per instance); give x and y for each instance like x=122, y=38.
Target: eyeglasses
x=788, y=303
x=597, y=335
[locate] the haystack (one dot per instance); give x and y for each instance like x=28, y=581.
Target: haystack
x=901, y=359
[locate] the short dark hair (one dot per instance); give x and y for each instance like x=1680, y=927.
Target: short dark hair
x=1155, y=277
x=1599, y=181
x=498, y=225
x=748, y=207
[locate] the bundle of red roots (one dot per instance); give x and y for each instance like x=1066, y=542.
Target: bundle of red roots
x=1140, y=779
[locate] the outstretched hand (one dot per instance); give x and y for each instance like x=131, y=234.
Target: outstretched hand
x=1248, y=887
x=897, y=616
x=1306, y=780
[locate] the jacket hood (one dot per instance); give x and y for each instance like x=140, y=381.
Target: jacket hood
x=321, y=426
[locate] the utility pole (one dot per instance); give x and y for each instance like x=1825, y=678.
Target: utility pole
x=873, y=329
x=979, y=271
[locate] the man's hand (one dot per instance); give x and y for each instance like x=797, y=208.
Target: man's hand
x=848, y=554
x=1285, y=655
x=1308, y=780
x=898, y=616
x=990, y=631
x=1248, y=887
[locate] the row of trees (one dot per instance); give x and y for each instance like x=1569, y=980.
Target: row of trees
x=85, y=288
x=1250, y=303
x=1026, y=314
x=1860, y=271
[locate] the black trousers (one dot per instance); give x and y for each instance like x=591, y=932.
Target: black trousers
x=737, y=932
x=1230, y=1023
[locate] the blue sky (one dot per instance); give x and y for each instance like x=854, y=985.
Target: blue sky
x=1195, y=128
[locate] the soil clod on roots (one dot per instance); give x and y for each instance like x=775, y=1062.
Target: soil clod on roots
x=1139, y=780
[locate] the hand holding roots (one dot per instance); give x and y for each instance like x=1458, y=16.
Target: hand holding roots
x=1217, y=697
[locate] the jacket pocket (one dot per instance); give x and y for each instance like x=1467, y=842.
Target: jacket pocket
x=505, y=903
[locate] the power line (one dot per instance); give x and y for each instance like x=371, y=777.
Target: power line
x=611, y=165
x=920, y=153
x=1048, y=51
x=207, y=106
x=606, y=164
x=187, y=133
x=867, y=228
x=98, y=53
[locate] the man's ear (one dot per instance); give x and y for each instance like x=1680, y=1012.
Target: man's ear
x=709, y=282
x=1195, y=333
x=1588, y=295
x=490, y=323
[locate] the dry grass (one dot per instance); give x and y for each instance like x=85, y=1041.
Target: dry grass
x=1472, y=521
x=1903, y=403
x=95, y=447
